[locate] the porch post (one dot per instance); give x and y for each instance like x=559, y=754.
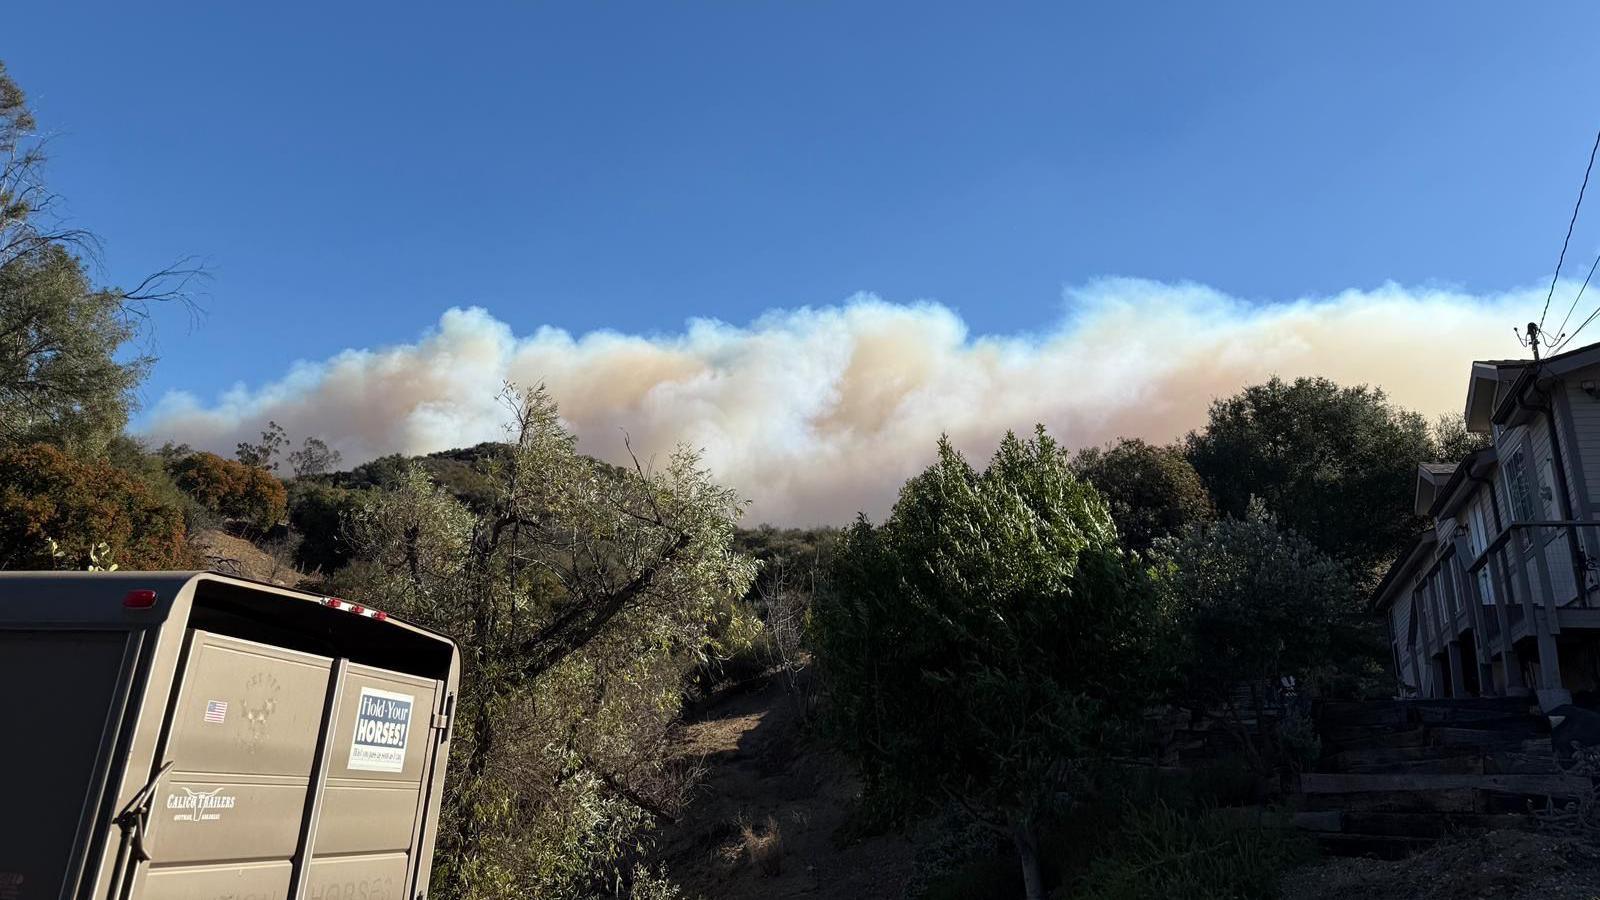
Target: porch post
x=1457, y=679
x=1515, y=687
x=1474, y=600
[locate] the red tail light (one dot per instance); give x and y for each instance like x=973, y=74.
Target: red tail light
x=380, y=615
x=139, y=599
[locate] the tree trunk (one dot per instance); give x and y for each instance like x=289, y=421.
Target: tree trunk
x=1026, y=837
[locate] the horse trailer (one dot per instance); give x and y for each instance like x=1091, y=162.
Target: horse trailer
x=195, y=736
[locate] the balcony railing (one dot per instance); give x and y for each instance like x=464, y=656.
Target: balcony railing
x=1541, y=564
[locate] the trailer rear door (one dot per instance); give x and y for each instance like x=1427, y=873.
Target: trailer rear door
x=382, y=754
x=291, y=775
x=242, y=740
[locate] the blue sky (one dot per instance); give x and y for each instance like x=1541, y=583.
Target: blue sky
x=349, y=171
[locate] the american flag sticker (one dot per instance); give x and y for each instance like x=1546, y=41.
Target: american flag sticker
x=216, y=712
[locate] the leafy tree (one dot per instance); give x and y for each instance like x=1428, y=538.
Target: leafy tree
x=47, y=496
x=581, y=595
x=231, y=489
x=263, y=454
x=314, y=457
x=60, y=378
x=1333, y=464
x=1453, y=442
x=1152, y=491
x=985, y=640
x=65, y=377
x=1252, y=603
x=319, y=512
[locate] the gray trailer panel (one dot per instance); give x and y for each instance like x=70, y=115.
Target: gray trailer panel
x=230, y=739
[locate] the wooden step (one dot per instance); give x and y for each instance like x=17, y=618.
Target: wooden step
x=1463, y=800
x=1368, y=737
x=1499, y=738
x=1377, y=845
x=1527, y=785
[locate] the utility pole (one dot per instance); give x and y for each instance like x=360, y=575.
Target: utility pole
x=1532, y=339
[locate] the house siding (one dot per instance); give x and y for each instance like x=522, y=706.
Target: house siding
x=1585, y=413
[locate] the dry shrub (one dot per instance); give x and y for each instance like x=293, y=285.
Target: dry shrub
x=232, y=489
x=47, y=495
x=764, y=848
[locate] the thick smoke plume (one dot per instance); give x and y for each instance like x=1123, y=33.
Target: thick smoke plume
x=817, y=413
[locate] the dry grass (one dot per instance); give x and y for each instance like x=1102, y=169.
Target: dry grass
x=763, y=849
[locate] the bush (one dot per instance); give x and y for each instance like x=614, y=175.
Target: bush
x=46, y=495
x=319, y=511
x=1213, y=855
x=231, y=489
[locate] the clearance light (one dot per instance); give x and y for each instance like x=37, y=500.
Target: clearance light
x=358, y=609
x=139, y=599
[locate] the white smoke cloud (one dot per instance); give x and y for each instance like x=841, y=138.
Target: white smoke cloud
x=816, y=413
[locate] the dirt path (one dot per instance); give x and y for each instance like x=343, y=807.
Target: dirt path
x=764, y=821
x=1506, y=865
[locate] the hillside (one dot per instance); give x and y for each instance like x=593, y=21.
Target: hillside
x=766, y=818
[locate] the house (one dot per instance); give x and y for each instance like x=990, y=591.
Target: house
x=1500, y=596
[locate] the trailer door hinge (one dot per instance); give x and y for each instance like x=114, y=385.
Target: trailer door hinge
x=443, y=720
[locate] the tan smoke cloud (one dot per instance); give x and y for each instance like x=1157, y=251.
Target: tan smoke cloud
x=816, y=413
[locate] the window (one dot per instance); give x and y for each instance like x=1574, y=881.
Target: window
x=1547, y=493
x=1517, y=492
x=1478, y=537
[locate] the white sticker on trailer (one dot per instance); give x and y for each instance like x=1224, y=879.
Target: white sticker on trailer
x=383, y=722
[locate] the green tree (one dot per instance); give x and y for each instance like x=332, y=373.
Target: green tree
x=61, y=380
x=46, y=495
x=986, y=640
x=1252, y=603
x=314, y=457
x=319, y=512
x=263, y=454
x=1152, y=491
x=581, y=595
x=1452, y=441
x=1334, y=464
x=65, y=374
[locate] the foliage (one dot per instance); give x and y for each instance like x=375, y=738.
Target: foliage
x=263, y=454
x=1210, y=855
x=1152, y=491
x=231, y=489
x=962, y=859
x=314, y=457
x=1004, y=594
x=55, y=510
x=152, y=468
x=652, y=884
x=581, y=595
x=1252, y=603
x=462, y=472
x=318, y=512
x=61, y=380
x=66, y=376
x=1452, y=441
x=1333, y=464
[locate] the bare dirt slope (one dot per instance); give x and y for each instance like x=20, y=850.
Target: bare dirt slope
x=1506, y=865
x=773, y=797
x=236, y=556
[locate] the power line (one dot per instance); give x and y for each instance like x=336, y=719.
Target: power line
x=1574, y=221
x=1575, y=303
x=1563, y=339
